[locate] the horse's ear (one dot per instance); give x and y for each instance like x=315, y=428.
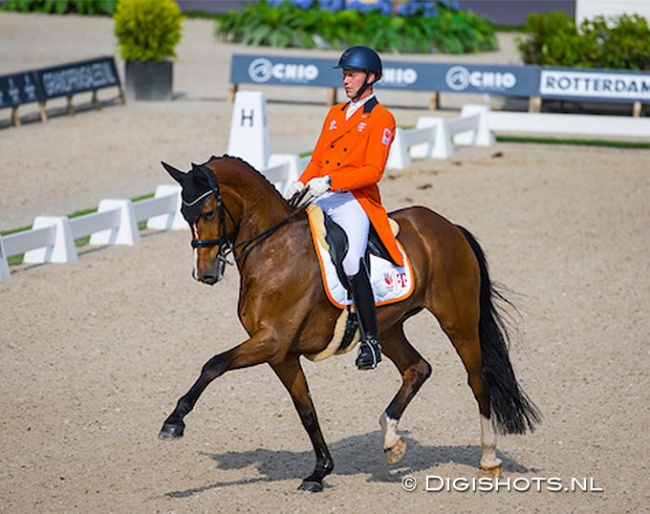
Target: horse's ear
x=176, y=174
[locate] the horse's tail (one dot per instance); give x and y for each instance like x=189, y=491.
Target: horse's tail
x=512, y=410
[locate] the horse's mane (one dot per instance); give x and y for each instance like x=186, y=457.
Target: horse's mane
x=247, y=165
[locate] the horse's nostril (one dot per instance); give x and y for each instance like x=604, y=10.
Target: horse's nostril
x=208, y=278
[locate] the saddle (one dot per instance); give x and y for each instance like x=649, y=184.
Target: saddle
x=390, y=283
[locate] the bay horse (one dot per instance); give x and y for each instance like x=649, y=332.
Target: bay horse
x=235, y=213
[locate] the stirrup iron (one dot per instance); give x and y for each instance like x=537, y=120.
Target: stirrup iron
x=369, y=355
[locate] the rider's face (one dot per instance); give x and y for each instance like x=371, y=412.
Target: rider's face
x=353, y=80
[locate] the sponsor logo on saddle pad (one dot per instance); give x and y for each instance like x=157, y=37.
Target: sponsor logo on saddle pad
x=390, y=283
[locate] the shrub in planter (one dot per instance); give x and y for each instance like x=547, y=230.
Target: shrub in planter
x=147, y=32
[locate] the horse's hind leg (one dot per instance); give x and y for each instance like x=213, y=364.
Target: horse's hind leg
x=292, y=376
x=465, y=340
x=414, y=370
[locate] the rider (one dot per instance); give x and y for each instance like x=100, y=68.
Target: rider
x=343, y=173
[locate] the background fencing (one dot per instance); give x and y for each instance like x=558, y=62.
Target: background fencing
x=52, y=238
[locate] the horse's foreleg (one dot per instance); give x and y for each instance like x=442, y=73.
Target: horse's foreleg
x=255, y=350
x=415, y=371
x=292, y=376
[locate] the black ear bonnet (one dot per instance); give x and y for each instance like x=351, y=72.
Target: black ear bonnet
x=197, y=185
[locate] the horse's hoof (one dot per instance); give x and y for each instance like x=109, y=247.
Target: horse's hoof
x=492, y=471
x=395, y=452
x=171, y=431
x=312, y=487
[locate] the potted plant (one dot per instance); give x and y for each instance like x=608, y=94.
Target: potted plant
x=147, y=33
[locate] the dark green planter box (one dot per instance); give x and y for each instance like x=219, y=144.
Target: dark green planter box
x=149, y=80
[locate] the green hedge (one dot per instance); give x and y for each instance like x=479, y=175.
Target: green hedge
x=289, y=25
x=552, y=39
x=62, y=6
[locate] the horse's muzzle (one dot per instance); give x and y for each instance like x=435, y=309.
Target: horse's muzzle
x=210, y=274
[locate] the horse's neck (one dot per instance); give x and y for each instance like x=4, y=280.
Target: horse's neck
x=261, y=206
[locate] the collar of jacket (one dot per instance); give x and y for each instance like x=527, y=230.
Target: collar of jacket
x=367, y=107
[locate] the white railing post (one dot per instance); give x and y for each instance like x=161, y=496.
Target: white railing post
x=282, y=170
x=425, y=150
x=4, y=264
x=126, y=233
x=442, y=147
x=481, y=136
x=398, y=157
x=171, y=220
x=62, y=247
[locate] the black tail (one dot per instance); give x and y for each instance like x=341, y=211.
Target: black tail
x=512, y=411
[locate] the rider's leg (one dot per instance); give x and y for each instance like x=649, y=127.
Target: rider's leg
x=364, y=301
x=344, y=210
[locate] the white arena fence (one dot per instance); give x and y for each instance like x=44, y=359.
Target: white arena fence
x=569, y=124
x=436, y=138
x=52, y=238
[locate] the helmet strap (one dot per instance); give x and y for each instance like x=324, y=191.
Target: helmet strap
x=363, y=89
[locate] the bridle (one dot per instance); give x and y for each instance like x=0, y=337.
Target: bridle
x=225, y=241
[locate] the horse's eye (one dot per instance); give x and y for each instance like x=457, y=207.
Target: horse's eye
x=209, y=215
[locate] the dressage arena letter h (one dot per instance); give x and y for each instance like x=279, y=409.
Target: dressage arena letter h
x=249, y=134
x=248, y=118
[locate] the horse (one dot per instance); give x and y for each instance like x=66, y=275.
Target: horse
x=236, y=214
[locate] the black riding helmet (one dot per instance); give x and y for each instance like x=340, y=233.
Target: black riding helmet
x=361, y=58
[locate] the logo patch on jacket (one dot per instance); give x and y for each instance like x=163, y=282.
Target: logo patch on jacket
x=333, y=125
x=385, y=139
x=361, y=126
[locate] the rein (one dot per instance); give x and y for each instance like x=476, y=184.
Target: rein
x=262, y=236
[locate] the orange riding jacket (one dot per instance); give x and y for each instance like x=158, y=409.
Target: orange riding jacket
x=354, y=153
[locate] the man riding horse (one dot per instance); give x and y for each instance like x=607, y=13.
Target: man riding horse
x=345, y=168
x=286, y=316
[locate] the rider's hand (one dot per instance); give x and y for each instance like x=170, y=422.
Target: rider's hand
x=319, y=185
x=295, y=187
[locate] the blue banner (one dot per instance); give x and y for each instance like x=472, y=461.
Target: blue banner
x=18, y=89
x=411, y=76
x=460, y=78
x=78, y=77
x=522, y=81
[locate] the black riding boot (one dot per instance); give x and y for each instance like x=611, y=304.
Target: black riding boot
x=370, y=350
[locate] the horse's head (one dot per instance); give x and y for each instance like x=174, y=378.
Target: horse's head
x=204, y=210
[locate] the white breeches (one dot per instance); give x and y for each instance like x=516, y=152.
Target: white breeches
x=345, y=211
